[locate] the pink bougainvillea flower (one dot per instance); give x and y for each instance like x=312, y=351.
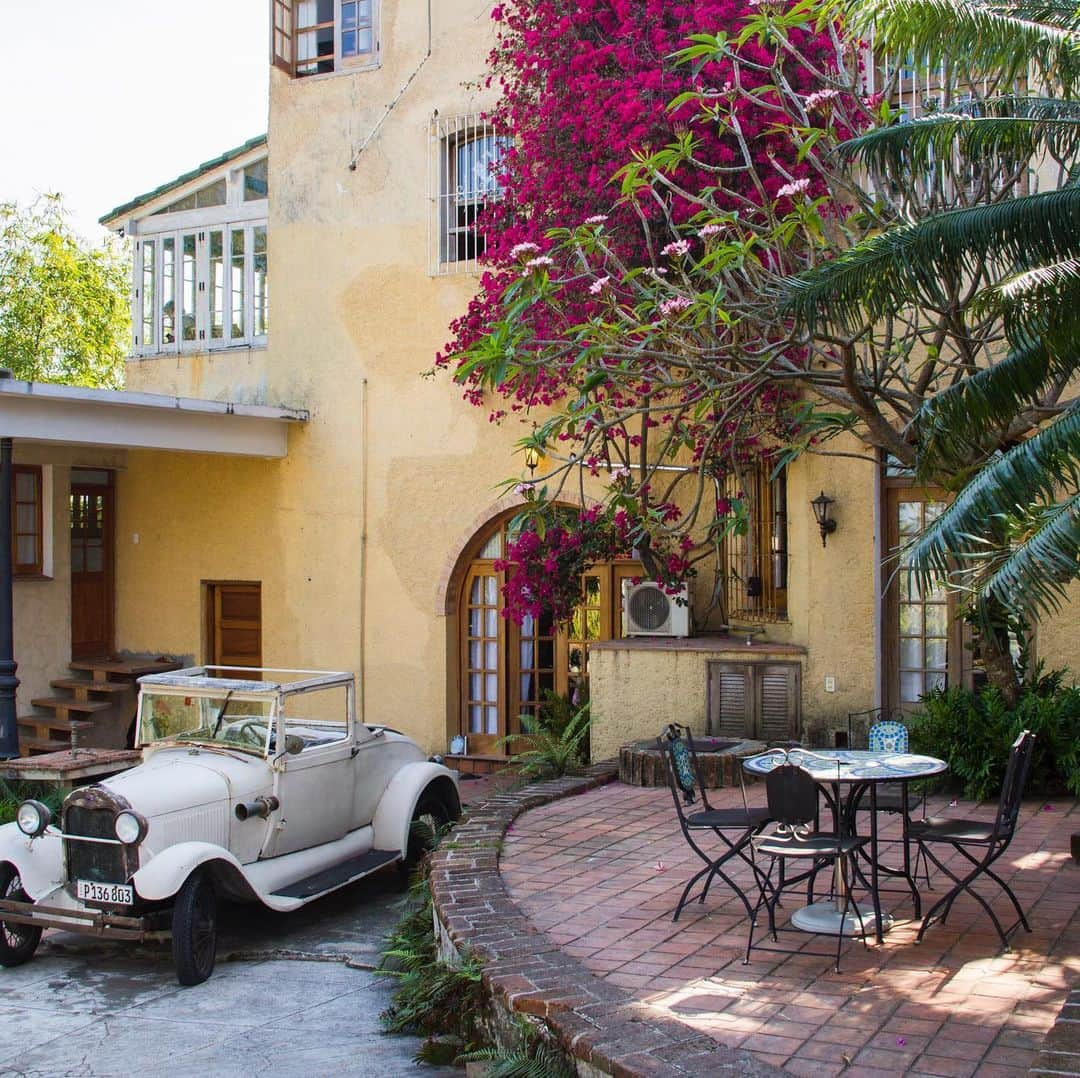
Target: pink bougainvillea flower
x=522, y=248
x=596, y=219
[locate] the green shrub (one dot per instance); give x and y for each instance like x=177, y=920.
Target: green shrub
x=13, y=794
x=552, y=748
x=973, y=733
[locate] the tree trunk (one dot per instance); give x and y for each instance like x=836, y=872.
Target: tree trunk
x=992, y=629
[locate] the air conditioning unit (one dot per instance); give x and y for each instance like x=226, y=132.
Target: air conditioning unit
x=649, y=611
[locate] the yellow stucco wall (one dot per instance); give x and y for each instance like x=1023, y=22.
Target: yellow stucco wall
x=42, y=607
x=353, y=532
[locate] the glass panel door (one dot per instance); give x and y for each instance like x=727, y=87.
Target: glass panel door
x=483, y=665
x=923, y=651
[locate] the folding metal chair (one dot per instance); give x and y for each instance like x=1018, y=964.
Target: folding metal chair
x=793, y=801
x=992, y=839
x=734, y=827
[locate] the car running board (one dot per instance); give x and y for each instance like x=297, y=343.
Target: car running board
x=330, y=879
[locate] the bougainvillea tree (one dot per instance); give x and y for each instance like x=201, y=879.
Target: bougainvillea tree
x=677, y=170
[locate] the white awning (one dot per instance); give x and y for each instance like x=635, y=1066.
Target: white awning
x=117, y=419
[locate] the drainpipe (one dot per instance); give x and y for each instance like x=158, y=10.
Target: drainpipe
x=9, y=726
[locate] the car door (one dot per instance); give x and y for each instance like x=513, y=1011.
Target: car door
x=315, y=781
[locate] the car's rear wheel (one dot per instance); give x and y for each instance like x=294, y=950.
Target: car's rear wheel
x=432, y=815
x=194, y=929
x=17, y=942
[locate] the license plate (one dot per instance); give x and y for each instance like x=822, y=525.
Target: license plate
x=117, y=894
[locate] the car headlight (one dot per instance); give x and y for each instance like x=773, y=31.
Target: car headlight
x=130, y=827
x=33, y=817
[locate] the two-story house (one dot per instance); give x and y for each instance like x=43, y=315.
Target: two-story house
x=279, y=486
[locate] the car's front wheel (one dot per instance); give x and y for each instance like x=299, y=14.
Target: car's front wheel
x=430, y=818
x=17, y=942
x=194, y=929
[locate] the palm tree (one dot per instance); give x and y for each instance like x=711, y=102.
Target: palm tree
x=998, y=425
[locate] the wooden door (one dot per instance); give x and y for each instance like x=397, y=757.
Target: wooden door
x=234, y=623
x=92, y=597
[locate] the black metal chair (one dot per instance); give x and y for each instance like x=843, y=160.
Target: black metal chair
x=992, y=839
x=793, y=803
x=734, y=827
x=881, y=730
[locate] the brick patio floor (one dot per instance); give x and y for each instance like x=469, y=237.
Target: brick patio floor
x=600, y=874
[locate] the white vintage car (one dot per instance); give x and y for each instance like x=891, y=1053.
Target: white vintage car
x=255, y=785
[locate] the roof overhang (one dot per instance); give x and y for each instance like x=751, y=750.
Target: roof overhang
x=116, y=419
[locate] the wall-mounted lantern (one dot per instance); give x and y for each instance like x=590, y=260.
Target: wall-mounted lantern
x=826, y=525
x=532, y=458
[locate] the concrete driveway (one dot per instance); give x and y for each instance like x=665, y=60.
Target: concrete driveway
x=292, y=994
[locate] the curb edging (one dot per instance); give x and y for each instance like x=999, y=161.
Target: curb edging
x=601, y=1026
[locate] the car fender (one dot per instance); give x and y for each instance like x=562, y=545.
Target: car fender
x=395, y=810
x=40, y=861
x=162, y=877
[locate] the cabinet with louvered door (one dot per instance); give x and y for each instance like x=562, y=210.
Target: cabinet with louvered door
x=754, y=700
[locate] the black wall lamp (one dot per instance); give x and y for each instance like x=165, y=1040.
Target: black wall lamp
x=825, y=523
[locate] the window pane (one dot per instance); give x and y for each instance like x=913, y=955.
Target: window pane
x=911, y=652
x=236, y=284
x=492, y=623
x=910, y=514
x=348, y=43
x=491, y=655
x=188, y=268
x=911, y=619
x=217, y=285
x=149, y=299
x=936, y=653
x=491, y=590
x=262, y=282
x=26, y=550
x=936, y=619
x=911, y=686
x=26, y=485
x=256, y=181
x=77, y=559
x=476, y=654
x=214, y=195
x=26, y=517
x=475, y=719
x=491, y=717
x=95, y=558
x=168, y=290
x=492, y=548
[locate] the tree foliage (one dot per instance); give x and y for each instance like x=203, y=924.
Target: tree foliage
x=784, y=258
x=64, y=314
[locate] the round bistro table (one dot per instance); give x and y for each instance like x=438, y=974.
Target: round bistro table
x=859, y=773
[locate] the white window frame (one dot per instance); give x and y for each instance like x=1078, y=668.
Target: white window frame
x=445, y=136
x=361, y=61
x=235, y=215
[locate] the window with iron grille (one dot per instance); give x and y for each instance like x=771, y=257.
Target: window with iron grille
x=756, y=561
x=317, y=37
x=466, y=153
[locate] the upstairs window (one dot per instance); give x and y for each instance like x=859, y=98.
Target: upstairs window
x=465, y=179
x=201, y=272
x=317, y=37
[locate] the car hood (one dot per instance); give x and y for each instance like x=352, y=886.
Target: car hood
x=174, y=779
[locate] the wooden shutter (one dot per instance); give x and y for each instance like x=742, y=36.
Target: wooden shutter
x=729, y=700
x=281, y=35
x=778, y=701
x=236, y=627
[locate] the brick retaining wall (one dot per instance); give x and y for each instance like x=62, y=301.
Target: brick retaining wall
x=601, y=1026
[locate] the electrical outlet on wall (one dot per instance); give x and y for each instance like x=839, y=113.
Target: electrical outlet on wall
x=830, y=684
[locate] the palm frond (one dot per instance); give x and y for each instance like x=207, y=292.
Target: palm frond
x=1034, y=575
x=1022, y=483
x=952, y=425
x=988, y=38
x=1011, y=129
x=909, y=262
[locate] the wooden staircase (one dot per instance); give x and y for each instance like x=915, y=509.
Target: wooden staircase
x=97, y=711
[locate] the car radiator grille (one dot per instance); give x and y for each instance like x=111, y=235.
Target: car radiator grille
x=97, y=861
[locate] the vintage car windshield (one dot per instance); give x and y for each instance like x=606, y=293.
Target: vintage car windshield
x=238, y=722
